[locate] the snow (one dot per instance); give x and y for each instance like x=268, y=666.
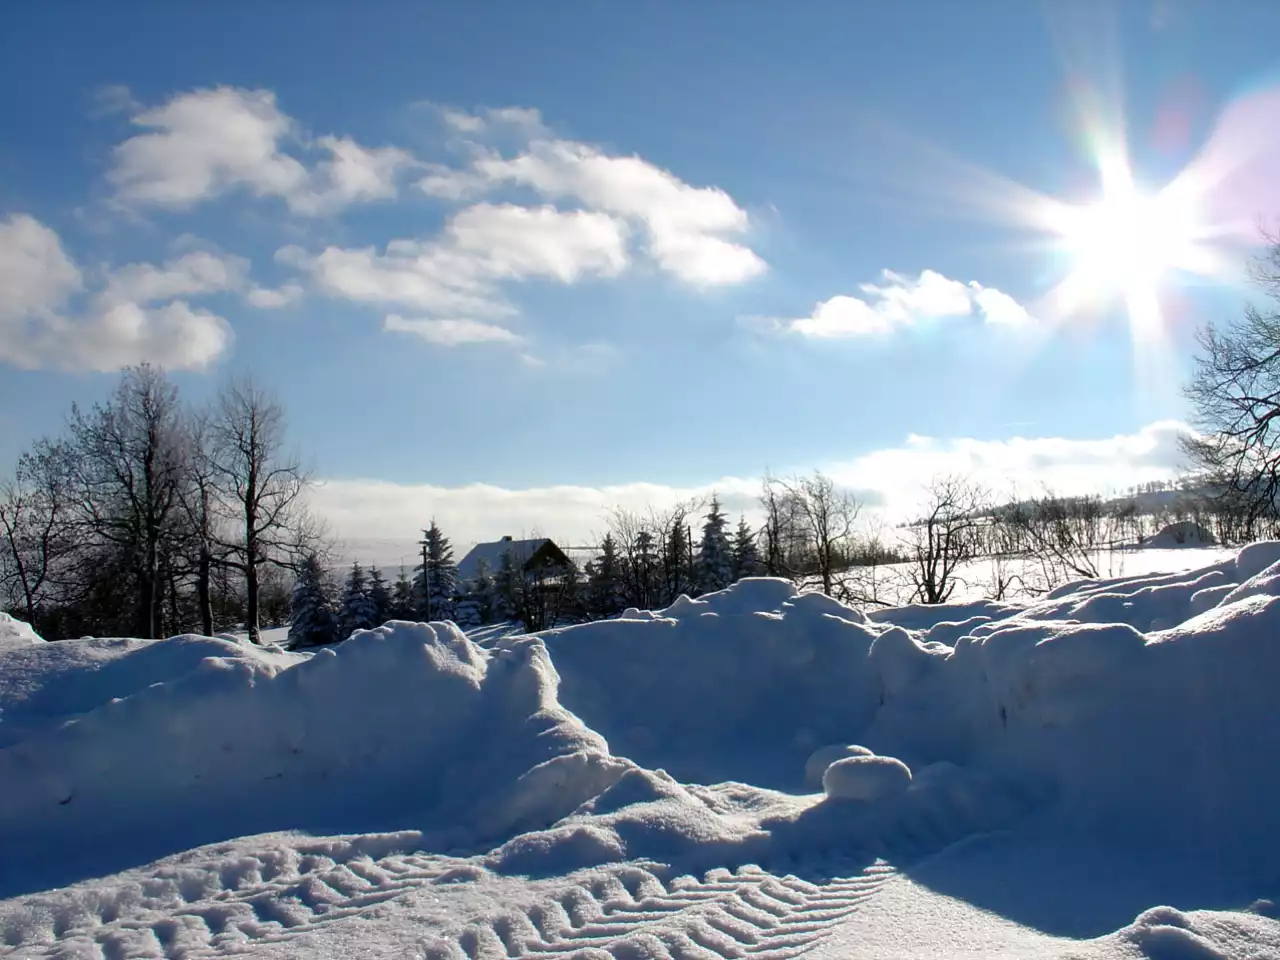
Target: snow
x=1088, y=774
x=16, y=633
x=870, y=779
x=1180, y=534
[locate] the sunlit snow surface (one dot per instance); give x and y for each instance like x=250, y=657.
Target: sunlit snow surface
x=1092, y=775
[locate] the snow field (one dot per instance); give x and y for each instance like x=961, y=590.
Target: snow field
x=648, y=786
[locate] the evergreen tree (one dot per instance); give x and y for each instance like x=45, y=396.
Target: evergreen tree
x=507, y=588
x=402, y=605
x=313, y=622
x=715, y=558
x=604, y=590
x=357, y=610
x=436, y=582
x=380, y=596
x=482, y=592
x=746, y=556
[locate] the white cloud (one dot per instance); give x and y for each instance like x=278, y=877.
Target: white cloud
x=458, y=275
x=999, y=308
x=204, y=143
x=688, y=229
x=266, y=298
x=194, y=273
x=36, y=275
x=378, y=518
x=901, y=301
x=450, y=333
x=37, y=278
x=513, y=242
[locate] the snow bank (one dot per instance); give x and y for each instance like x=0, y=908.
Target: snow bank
x=742, y=684
x=1144, y=706
x=1140, y=708
x=1180, y=534
x=409, y=724
x=16, y=633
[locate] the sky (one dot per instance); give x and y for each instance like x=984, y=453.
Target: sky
x=508, y=264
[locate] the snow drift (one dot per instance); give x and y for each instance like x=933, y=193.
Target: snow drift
x=409, y=723
x=753, y=725
x=16, y=633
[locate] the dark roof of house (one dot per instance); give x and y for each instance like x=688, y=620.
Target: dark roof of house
x=521, y=552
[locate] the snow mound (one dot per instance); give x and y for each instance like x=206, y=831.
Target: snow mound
x=42, y=686
x=743, y=684
x=414, y=725
x=866, y=778
x=16, y=633
x=824, y=757
x=1181, y=533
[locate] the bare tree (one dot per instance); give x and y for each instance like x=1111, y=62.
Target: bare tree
x=261, y=486
x=129, y=460
x=820, y=512
x=1063, y=534
x=37, y=538
x=947, y=537
x=199, y=498
x=1235, y=391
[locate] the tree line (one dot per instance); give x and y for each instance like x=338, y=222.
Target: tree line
x=149, y=517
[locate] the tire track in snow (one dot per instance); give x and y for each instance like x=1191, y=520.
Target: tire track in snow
x=620, y=912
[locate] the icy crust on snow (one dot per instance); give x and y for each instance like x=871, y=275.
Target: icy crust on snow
x=405, y=723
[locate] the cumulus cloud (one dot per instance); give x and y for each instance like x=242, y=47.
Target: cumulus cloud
x=137, y=315
x=204, y=143
x=902, y=301
x=372, y=515
x=456, y=278
x=688, y=230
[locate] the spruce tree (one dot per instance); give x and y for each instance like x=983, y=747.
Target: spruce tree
x=436, y=581
x=604, y=593
x=357, y=610
x=312, y=620
x=402, y=605
x=380, y=596
x=715, y=558
x=746, y=556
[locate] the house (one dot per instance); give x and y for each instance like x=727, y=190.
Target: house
x=528, y=555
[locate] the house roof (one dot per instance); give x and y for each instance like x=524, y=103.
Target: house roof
x=491, y=553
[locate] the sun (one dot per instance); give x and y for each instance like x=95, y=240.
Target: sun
x=1123, y=245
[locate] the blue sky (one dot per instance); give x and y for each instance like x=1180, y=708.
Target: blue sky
x=612, y=228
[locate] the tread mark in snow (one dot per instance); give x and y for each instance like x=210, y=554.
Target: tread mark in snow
x=193, y=913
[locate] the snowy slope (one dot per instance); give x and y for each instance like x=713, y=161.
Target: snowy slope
x=1034, y=780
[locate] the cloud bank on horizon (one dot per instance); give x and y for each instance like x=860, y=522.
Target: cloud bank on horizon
x=372, y=516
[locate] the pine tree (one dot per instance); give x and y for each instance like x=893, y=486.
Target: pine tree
x=715, y=559
x=357, y=610
x=402, y=606
x=380, y=596
x=311, y=607
x=603, y=594
x=436, y=582
x=746, y=556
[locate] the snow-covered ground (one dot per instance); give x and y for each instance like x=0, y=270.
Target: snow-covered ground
x=1088, y=775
